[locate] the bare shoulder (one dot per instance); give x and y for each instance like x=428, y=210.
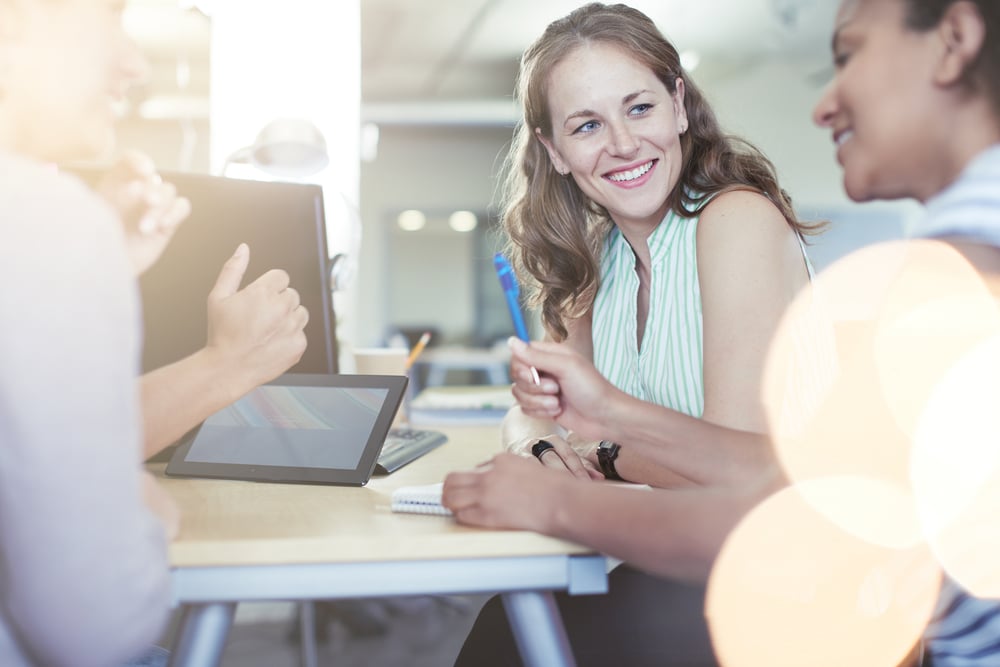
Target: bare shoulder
x=745, y=229
x=743, y=217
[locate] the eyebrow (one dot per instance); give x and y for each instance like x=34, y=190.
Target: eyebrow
x=838, y=31
x=582, y=113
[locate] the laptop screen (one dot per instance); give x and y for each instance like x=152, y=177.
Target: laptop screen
x=284, y=225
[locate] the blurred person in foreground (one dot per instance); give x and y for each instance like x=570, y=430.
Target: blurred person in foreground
x=83, y=529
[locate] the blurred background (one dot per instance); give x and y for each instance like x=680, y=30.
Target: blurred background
x=415, y=102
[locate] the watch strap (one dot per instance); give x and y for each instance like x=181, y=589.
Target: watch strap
x=607, y=452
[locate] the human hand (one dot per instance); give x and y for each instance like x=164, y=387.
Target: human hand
x=162, y=505
x=536, y=393
x=257, y=330
x=587, y=451
x=150, y=210
x=563, y=456
x=572, y=392
x=509, y=491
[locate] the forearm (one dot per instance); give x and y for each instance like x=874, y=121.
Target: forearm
x=665, y=448
x=177, y=397
x=671, y=533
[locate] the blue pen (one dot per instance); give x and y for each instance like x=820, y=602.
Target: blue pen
x=512, y=291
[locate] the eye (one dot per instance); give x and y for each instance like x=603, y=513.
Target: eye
x=840, y=59
x=587, y=127
x=640, y=109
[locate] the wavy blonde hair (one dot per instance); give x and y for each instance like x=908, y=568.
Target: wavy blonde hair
x=554, y=231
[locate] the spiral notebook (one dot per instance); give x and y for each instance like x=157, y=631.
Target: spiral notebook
x=424, y=499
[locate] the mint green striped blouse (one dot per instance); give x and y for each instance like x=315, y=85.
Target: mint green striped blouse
x=668, y=369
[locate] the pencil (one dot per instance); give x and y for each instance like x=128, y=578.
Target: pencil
x=418, y=348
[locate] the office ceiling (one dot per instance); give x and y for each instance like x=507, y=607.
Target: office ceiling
x=420, y=56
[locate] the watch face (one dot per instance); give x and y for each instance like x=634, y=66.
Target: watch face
x=607, y=452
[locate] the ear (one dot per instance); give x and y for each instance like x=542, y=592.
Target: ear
x=557, y=160
x=962, y=32
x=680, y=112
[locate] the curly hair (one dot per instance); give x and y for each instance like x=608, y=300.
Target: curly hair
x=984, y=73
x=554, y=231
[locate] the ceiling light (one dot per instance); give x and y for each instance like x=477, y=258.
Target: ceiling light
x=463, y=221
x=411, y=220
x=690, y=60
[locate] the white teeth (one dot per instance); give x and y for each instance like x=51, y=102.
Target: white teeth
x=842, y=139
x=624, y=176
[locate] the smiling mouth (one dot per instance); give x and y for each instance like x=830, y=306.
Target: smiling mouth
x=631, y=174
x=843, y=137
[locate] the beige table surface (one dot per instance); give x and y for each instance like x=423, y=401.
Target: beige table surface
x=227, y=522
x=242, y=541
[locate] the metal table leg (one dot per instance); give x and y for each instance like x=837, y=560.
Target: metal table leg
x=538, y=629
x=202, y=636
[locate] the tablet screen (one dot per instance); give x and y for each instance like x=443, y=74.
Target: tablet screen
x=297, y=428
x=313, y=427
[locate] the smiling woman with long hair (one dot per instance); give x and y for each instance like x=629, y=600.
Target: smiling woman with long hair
x=647, y=237
x=662, y=253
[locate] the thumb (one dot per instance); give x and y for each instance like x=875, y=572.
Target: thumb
x=231, y=274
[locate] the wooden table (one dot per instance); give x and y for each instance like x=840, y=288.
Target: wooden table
x=252, y=541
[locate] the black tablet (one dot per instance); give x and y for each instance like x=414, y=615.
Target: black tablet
x=314, y=429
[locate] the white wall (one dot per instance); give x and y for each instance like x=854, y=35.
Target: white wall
x=771, y=105
x=435, y=169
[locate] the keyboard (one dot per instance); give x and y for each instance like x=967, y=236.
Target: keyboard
x=403, y=445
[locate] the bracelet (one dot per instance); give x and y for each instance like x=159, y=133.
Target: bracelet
x=540, y=447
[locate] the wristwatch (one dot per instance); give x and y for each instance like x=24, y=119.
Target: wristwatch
x=607, y=452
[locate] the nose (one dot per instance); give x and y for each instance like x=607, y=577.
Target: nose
x=826, y=107
x=623, y=142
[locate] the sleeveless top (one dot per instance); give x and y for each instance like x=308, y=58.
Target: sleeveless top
x=668, y=369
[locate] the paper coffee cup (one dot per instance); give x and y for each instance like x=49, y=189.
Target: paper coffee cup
x=380, y=360
x=385, y=361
